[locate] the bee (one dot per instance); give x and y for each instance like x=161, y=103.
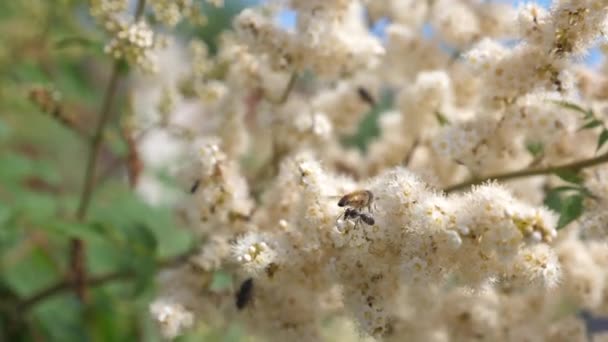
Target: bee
x=355, y=214
x=365, y=96
x=359, y=200
x=244, y=294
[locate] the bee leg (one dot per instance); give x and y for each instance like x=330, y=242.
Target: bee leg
x=340, y=216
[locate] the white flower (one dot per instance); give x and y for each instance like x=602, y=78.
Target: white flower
x=253, y=252
x=171, y=317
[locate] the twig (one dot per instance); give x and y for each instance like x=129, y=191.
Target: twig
x=118, y=160
x=577, y=165
x=47, y=100
x=96, y=141
x=78, y=256
x=77, y=248
x=99, y=280
x=134, y=163
x=285, y=95
x=139, y=11
x=410, y=154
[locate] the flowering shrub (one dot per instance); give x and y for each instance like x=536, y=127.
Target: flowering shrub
x=487, y=263
x=474, y=210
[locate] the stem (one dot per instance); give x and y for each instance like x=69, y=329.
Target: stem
x=99, y=280
x=577, y=165
x=410, y=153
x=285, y=95
x=139, y=11
x=96, y=141
x=77, y=247
x=77, y=253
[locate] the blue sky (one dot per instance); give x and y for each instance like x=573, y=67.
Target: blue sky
x=287, y=19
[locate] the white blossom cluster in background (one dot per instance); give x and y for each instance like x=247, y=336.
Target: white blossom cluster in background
x=262, y=126
x=132, y=38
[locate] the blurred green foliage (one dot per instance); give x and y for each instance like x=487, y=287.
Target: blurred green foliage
x=368, y=129
x=55, y=43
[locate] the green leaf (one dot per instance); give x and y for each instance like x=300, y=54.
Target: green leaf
x=14, y=167
x=535, y=148
x=61, y=318
x=142, y=240
x=30, y=72
x=602, y=139
x=571, y=209
x=122, y=210
x=144, y=277
x=5, y=130
x=30, y=273
x=591, y=124
x=368, y=127
x=37, y=207
x=569, y=176
x=75, y=229
x=142, y=260
x=6, y=213
x=553, y=201
x=587, y=114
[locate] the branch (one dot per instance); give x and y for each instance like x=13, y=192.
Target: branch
x=47, y=101
x=577, y=165
x=99, y=280
x=78, y=255
x=77, y=248
x=104, y=116
x=96, y=141
x=410, y=154
x=288, y=88
x=139, y=11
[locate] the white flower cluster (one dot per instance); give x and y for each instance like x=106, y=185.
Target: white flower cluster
x=132, y=39
x=172, y=317
x=221, y=192
x=419, y=237
x=398, y=259
x=570, y=27
x=329, y=38
x=134, y=42
x=171, y=12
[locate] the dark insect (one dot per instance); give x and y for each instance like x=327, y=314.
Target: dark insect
x=244, y=294
x=365, y=96
x=367, y=218
x=351, y=213
x=195, y=186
